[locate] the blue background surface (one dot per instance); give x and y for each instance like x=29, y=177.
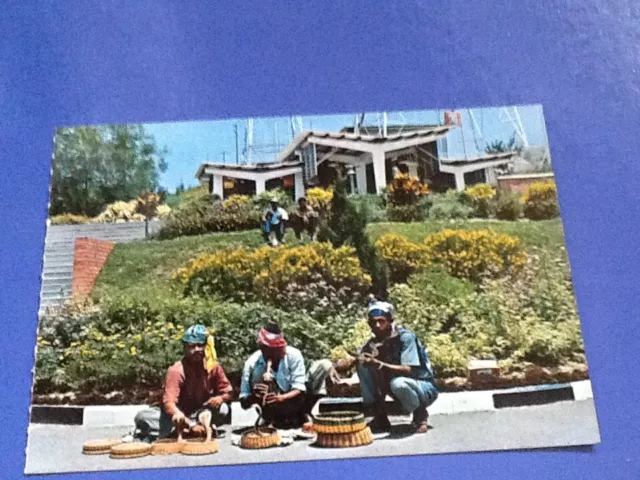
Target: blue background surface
x=121, y=61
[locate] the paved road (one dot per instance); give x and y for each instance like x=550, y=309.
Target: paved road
x=53, y=449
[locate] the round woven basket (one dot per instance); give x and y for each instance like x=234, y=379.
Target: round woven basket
x=99, y=447
x=200, y=447
x=167, y=446
x=344, y=440
x=263, y=438
x=130, y=450
x=339, y=422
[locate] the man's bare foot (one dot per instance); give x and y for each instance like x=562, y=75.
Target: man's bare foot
x=420, y=418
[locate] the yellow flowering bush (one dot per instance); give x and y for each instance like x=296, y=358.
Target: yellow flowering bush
x=480, y=191
x=69, y=219
x=236, y=201
x=119, y=212
x=481, y=197
x=541, y=201
x=264, y=273
x=319, y=199
x=163, y=211
x=226, y=273
x=473, y=254
x=401, y=256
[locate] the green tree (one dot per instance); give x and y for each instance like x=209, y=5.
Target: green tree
x=499, y=146
x=96, y=166
x=347, y=225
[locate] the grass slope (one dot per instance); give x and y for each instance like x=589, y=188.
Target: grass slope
x=144, y=268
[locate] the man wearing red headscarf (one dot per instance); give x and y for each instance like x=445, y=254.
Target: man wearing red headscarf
x=275, y=378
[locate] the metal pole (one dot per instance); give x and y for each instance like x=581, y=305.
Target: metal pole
x=235, y=130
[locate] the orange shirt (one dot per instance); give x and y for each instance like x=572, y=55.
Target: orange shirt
x=187, y=388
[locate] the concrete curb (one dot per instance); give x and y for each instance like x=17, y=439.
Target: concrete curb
x=446, y=404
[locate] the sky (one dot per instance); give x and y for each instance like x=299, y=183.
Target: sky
x=189, y=144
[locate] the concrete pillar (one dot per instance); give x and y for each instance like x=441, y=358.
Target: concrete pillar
x=298, y=184
x=260, y=186
x=490, y=176
x=218, y=186
x=379, y=170
x=459, y=181
x=413, y=169
x=361, y=179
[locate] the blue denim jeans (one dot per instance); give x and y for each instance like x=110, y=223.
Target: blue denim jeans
x=412, y=394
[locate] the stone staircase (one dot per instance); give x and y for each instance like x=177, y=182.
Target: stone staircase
x=57, y=271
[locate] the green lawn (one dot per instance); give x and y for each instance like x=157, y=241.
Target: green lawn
x=144, y=268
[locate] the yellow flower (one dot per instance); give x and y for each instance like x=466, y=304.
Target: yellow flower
x=134, y=351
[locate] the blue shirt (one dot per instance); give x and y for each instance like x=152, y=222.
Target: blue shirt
x=291, y=374
x=405, y=348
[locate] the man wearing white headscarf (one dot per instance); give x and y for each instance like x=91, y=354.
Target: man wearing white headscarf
x=395, y=363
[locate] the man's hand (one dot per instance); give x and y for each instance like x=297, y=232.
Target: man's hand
x=368, y=360
x=260, y=390
x=178, y=418
x=272, y=398
x=214, y=402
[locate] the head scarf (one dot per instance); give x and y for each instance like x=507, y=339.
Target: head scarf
x=380, y=309
x=271, y=340
x=199, y=334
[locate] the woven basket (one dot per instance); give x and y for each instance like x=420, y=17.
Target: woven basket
x=339, y=422
x=200, y=447
x=130, y=450
x=264, y=438
x=99, y=447
x=167, y=446
x=344, y=440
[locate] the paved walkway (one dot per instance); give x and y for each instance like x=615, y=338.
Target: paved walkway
x=54, y=449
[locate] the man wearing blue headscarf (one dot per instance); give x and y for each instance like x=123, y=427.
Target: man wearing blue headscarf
x=394, y=362
x=193, y=384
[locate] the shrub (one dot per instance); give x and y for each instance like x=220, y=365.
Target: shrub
x=481, y=199
x=120, y=212
x=530, y=317
x=346, y=224
x=373, y=204
x=234, y=201
x=401, y=256
x=356, y=338
x=266, y=272
x=448, y=207
x=436, y=286
x=201, y=215
x=116, y=354
x=404, y=198
x=405, y=190
x=69, y=219
x=319, y=199
x=508, y=206
x=476, y=253
x=262, y=201
x=541, y=201
x=407, y=213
